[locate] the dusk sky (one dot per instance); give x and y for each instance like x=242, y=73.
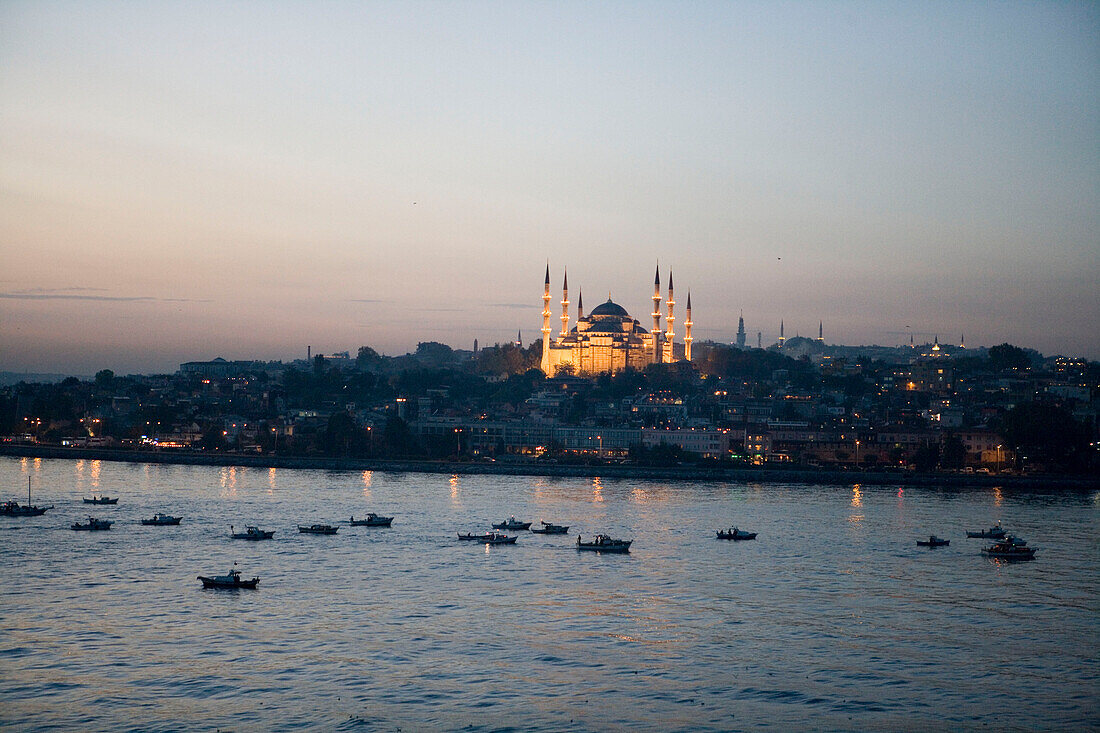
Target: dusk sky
x=185, y=181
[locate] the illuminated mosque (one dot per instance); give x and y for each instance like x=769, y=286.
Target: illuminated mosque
x=608, y=339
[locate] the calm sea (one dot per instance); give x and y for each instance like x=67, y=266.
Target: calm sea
x=833, y=619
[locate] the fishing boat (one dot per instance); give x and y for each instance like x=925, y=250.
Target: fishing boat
x=1010, y=548
x=251, y=533
x=371, y=520
x=489, y=538
x=15, y=509
x=604, y=543
x=996, y=532
x=100, y=500
x=317, y=529
x=512, y=525
x=735, y=534
x=92, y=525
x=933, y=541
x=548, y=528
x=161, y=520
x=231, y=581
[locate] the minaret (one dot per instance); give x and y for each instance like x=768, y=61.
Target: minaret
x=519, y=338
x=741, y=331
x=759, y=339
x=565, y=306
x=821, y=332
x=546, y=323
x=962, y=341
x=687, y=331
x=669, y=335
x=580, y=305
x=781, y=339
x=657, y=315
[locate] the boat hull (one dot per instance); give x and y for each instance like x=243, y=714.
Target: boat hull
x=551, y=530
x=229, y=585
x=379, y=522
x=737, y=537
x=317, y=530
x=100, y=501
x=171, y=521
x=254, y=537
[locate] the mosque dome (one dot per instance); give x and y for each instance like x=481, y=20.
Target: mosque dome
x=609, y=309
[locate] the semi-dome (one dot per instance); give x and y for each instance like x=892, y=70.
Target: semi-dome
x=610, y=309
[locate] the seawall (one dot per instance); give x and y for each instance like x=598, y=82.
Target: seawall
x=503, y=468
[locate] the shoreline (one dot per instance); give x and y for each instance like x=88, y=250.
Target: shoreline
x=677, y=473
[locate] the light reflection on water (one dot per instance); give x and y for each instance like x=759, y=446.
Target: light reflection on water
x=832, y=619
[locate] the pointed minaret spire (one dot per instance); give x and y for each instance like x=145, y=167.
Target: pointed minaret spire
x=962, y=340
x=687, y=330
x=671, y=319
x=580, y=304
x=657, y=314
x=821, y=332
x=741, y=330
x=781, y=339
x=565, y=305
x=546, y=323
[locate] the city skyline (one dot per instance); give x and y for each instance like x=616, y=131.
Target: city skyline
x=183, y=182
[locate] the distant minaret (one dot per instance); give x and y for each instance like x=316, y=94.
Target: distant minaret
x=475, y=347
x=911, y=344
x=741, y=330
x=962, y=341
x=580, y=305
x=519, y=338
x=657, y=315
x=759, y=340
x=781, y=339
x=669, y=335
x=687, y=331
x=546, y=323
x=821, y=332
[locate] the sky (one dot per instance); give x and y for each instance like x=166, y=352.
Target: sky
x=183, y=181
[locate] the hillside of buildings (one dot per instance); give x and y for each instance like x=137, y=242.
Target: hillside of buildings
x=805, y=404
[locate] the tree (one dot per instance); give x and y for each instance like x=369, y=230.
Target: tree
x=953, y=453
x=104, y=378
x=367, y=358
x=1007, y=357
x=1046, y=432
x=926, y=457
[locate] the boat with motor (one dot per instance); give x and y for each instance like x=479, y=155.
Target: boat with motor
x=92, y=525
x=1010, y=548
x=933, y=541
x=317, y=529
x=251, y=533
x=231, y=581
x=996, y=532
x=548, y=528
x=371, y=520
x=512, y=525
x=489, y=538
x=735, y=534
x=604, y=543
x=161, y=520
x=15, y=509
x=100, y=500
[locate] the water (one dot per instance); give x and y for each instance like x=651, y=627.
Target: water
x=832, y=619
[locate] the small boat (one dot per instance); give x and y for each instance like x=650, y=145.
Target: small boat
x=92, y=525
x=100, y=500
x=512, y=525
x=548, y=528
x=251, y=533
x=1010, y=548
x=15, y=509
x=371, y=520
x=318, y=529
x=161, y=520
x=489, y=538
x=603, y=543
x=933, y=541
x=231, y=581
x=735, y=534
x=993, y=533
